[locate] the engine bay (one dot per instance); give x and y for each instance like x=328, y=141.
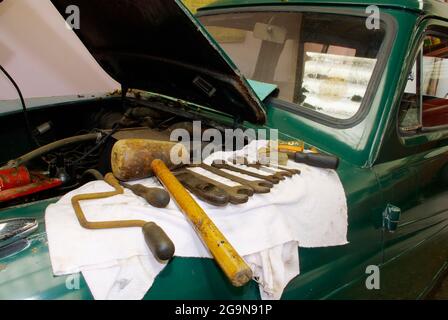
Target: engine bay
x=74, y=142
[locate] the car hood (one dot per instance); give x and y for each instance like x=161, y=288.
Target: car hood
x=158, y=46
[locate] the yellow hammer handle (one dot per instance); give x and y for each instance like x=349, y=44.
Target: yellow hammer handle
x=228, y=259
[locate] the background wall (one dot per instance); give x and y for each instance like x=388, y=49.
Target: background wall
x=44, y=57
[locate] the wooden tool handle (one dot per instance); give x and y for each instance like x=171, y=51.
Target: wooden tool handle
x=317, y=160
x=231, y=263
x=156, y=197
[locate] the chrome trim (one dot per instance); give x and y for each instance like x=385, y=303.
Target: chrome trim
x=13, y=230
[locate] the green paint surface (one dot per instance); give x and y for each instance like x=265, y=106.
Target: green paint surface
x=378, y=168
x=262, y=89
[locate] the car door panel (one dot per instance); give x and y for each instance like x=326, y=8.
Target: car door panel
x=335, y=272
x=415, y=182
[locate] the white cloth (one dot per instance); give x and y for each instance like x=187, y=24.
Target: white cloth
x=308, y=210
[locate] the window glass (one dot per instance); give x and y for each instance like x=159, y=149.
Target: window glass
x=425, y=101
x=322, y=62
x=435, y=82
x=409, y=116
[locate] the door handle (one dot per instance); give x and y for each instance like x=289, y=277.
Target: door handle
x=391, y=218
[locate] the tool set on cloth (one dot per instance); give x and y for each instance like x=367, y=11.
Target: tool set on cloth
x=250, y=216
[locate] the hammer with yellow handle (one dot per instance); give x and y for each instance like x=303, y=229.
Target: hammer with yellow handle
x=157, y=240
x=228, y=259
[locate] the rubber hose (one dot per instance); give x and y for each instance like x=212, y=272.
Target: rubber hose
x=50, y=147
x=92, y=173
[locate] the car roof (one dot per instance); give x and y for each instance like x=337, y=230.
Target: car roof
x=433, y=7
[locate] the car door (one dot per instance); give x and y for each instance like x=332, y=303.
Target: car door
x=414, y=178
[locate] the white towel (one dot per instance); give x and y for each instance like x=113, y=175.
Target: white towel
x=308, y=210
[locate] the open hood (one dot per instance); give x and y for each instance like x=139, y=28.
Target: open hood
x=157, y=46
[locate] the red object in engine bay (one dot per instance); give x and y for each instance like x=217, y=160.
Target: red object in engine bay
x=19, y=182
x=14, y=177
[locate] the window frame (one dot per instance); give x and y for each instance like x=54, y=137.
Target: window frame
x=391, y=28
x=418, y=58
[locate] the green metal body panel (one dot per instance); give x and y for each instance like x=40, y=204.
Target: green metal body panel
x=28, y=274
x=201, y=278
x=433, y=7
x=378, y=167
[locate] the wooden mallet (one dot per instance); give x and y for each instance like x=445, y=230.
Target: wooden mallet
x=137, y=158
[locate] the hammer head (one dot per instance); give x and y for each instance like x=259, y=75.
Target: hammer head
x=131, y=158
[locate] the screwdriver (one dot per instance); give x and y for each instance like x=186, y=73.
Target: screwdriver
x=316, y=160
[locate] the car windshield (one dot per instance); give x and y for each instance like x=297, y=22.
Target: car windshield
x=322, y=62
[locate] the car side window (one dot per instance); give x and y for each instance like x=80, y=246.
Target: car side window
x=424, y=104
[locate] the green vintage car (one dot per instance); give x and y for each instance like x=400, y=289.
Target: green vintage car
x=357, y=79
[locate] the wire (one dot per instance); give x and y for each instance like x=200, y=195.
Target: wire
x=98, y=145
x=32, y=138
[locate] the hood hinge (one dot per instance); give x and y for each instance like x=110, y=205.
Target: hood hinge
x=237, y=122
x=124, y=93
